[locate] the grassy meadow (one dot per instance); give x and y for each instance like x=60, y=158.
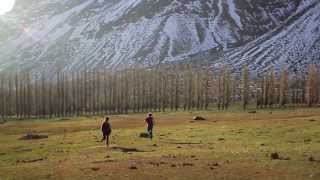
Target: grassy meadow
x=228, y=145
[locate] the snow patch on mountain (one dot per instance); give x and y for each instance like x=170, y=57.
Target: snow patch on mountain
x=234, y=14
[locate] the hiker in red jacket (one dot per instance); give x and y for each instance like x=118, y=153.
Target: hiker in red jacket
x=106, y=130
x=150, y=123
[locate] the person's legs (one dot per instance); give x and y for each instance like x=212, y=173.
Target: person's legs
x=150, y=131
x=107, y=140
x=103, y=137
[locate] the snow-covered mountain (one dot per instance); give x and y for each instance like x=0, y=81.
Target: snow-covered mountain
x=73, y=34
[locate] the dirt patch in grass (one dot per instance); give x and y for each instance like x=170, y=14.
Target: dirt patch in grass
x=133, y=167
x=276, y=156
x=187, y=164
x=23, y=150
x=95, y=168
x=198, y=118
x=3, y=122
x=104, y=161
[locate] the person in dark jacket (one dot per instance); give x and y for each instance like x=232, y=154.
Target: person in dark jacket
x=106, y=130
x=150, y=124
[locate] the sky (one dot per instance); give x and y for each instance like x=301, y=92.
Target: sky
x=6, y=6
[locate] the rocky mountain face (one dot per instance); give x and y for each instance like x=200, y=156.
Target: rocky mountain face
x=44, y=35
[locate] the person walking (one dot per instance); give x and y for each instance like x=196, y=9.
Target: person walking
x=106, y=131
x=150, y=124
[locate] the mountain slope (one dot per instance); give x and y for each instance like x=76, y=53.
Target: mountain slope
x=295, y=44
x=73, y=34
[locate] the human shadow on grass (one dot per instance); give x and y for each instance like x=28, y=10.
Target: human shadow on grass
x=182, y=143
x=33, y=136
x=127, y=150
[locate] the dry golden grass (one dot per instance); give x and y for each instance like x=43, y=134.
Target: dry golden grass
x=228, y=145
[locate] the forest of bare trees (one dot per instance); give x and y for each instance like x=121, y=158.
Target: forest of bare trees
x=165, y=88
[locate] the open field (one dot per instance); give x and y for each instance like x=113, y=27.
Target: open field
x=228, y=145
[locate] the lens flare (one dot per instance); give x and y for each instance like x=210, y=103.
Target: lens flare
x=6, y=6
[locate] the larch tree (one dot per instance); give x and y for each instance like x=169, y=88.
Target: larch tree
x=283, y=89
x=312, y=89
x=245, y=87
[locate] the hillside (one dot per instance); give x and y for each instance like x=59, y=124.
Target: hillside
x=45, y=35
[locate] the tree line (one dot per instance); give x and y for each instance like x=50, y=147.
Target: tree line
x=163, y=88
